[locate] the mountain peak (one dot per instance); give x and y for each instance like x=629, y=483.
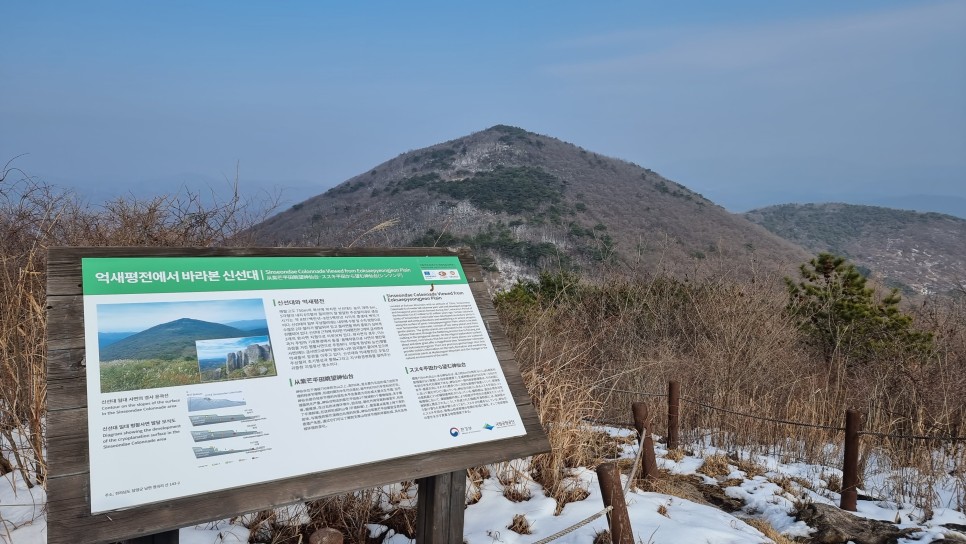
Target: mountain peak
x=524, y=201
x=510, y=129
x=170, y=340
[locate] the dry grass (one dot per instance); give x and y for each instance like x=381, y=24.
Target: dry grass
x=725, y=337
x=514, y=482
x=520, y=525
x=675, y=455
x=715, y=466
x=35, y=216
x=564, y=401
x=349, y=514
x=402, y=521
x=769, y=531
x=786, y=484
x=834, y=483
x=730, y=343
x=474, y=489
x=674, y=485
x=749, y=466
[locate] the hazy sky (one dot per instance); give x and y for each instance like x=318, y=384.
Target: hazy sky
x=749, y=103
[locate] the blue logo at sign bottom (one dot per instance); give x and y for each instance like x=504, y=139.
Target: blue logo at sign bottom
x=454, y=432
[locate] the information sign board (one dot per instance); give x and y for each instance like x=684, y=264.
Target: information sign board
x=224, y=373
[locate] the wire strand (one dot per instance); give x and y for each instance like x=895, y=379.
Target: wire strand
x=585, y=521
x=915, y=437
x=641, y=393
x=762, y=418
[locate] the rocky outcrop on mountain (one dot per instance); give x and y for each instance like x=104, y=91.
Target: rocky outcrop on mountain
x=253, y=354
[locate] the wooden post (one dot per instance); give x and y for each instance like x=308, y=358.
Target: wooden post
x=609, y=477
x=167, y=537
x=673, y=414
x=642, y=423
x=440, y=503
x=850, y=465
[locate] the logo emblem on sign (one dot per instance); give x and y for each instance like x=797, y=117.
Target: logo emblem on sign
x=433, y=275
x=454, y=432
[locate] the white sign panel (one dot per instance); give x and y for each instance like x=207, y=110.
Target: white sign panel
x=207, y=373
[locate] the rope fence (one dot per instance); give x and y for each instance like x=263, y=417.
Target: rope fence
x=607, y=510
x=574, y=527
x=636, y=393
x=609, y=422
x=915, y=437
x=698, y=402
x=852, y=432
x=762, y=418
x=614, y=498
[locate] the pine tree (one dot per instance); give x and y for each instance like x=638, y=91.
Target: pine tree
x=842, y=317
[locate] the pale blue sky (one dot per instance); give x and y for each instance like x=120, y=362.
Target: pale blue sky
x=749, y=103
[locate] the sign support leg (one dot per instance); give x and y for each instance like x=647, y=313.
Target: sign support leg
x=439, y=508
x=167, y=537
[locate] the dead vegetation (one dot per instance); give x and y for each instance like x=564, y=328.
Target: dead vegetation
x=35, y=216
x=729, y=341
x=585, y=352
x=715, y=466
x=520, y=525
x=769, y=531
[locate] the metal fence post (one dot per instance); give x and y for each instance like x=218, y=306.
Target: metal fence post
x=673, y=414
x=643, y=424
x=609, y=477
x=850, y=465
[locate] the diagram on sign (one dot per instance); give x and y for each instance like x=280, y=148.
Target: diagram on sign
x=201, y=453
x=196, y=404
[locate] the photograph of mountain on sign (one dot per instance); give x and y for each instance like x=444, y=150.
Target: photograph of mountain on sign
x=164, y=344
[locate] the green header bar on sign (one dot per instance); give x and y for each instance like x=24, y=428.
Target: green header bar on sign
x=135, y=275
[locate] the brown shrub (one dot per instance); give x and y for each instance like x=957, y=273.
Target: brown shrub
x=35, y=216
x=730, y=343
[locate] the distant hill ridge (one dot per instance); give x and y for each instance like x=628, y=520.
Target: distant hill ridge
x=524, y=201
x=918, y=252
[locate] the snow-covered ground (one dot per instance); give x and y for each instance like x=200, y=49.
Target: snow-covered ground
x=770, y=493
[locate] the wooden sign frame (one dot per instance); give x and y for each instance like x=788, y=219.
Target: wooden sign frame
x=69, y=518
